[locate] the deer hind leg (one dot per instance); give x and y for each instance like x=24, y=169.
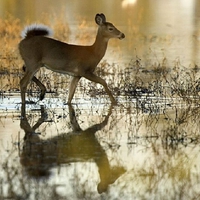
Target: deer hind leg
x=34, y=79
x=72, y=88
x=23, y=86
x=42, y=87
x=97, y=79
x=24, y=83
x=30, y=68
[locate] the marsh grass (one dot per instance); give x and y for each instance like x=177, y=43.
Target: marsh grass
x=153, y=88
x=132, y=79
x=159, y=107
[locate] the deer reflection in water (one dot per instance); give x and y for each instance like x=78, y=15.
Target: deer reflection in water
x=39, y=156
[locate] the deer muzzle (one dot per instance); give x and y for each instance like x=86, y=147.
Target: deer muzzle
x=121, y=36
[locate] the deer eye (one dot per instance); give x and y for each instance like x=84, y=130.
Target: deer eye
x=110, y=29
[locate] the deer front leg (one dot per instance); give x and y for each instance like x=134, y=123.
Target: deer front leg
x=72, y=88
x=97, y=79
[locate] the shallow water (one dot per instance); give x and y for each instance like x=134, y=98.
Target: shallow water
x=95, y=151
x=154, y=29
x=146, y=147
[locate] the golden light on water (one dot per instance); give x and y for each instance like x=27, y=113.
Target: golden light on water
x=142, y=148
x=126, y=3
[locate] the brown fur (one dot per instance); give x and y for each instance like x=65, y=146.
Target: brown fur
x=79, y=61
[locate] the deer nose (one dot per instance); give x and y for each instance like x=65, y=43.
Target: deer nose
x=122, y=36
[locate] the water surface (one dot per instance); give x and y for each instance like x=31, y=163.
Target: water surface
x=146, y=147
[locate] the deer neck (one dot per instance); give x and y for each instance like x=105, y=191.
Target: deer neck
x=100, y=45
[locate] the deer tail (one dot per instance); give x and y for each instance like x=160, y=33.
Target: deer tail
x=36, y=30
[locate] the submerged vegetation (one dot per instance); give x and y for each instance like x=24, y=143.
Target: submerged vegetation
x=158, y=110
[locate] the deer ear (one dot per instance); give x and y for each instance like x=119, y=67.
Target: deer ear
x=100, y=19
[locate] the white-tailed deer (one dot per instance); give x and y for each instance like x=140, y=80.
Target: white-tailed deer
x=79, y=61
